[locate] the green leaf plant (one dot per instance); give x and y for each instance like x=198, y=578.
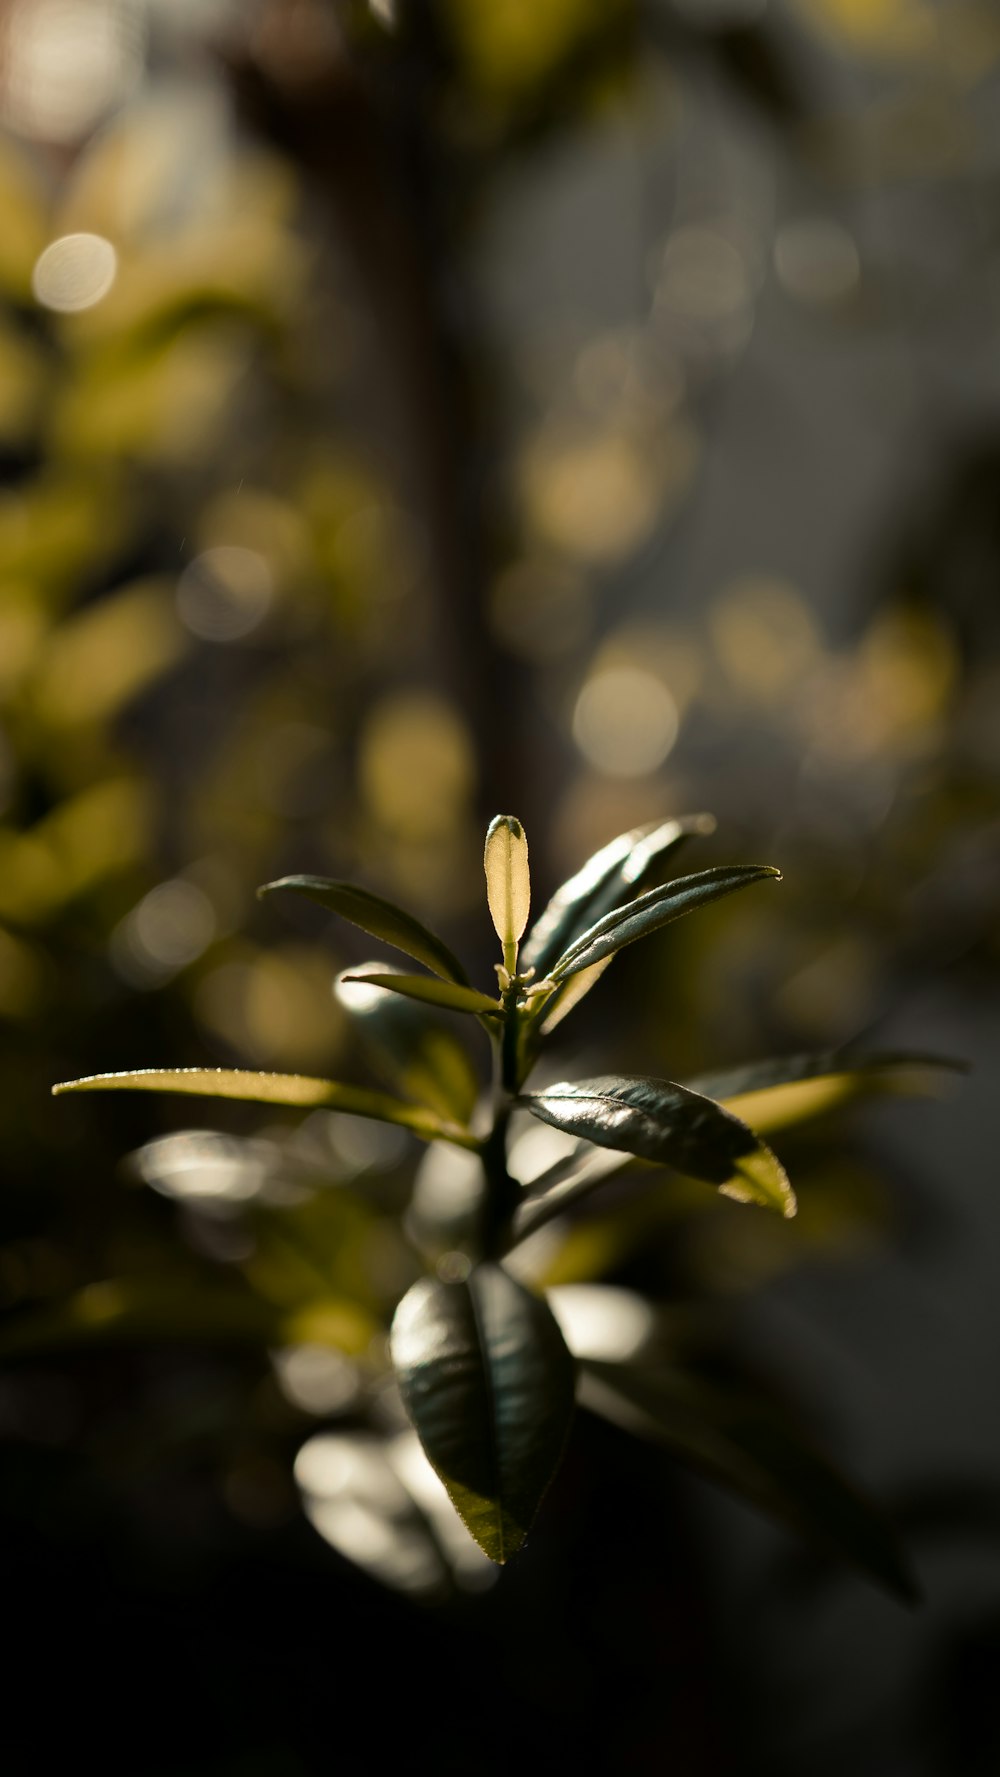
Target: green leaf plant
x=487, y=1364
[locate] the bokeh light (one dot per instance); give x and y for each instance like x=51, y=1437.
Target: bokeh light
x=74, y=273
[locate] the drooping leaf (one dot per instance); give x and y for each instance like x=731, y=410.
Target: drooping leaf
x=508, y=885
x=489, y=1386
x=655, y=909
x=447, y=994
x=379, y=918
x=621, y=870
x=790, y=1089
x=261, y=1088
x=415, y=1052
x=661, y=1121
x=748, y=1445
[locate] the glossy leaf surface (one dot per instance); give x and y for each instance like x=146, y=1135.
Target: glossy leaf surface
x=655, y=909
x=447, y=994
x=259, y=1088
x=416, y=1053
x=489, y=1386
x=381, y=919
x=618, y=872
x=660, y=1121
x=749, y=1446
x=779, y=1093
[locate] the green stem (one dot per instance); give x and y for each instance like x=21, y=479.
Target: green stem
x=503, y=1194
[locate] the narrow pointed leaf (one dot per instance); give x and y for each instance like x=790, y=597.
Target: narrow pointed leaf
x=658, y=1120
x=655, y=909
x=621, y=870
x=286, y=1089
x=447, y=994
x=379, y=918
x=415, y=1052
x=508, y=886
x=489, y=1386
x=748, y=1445
x=776, y=1094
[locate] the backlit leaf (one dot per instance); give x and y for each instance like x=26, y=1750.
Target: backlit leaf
x=447, y=994
x=287, y=1089
x=415, y=1052
x=660, y=1121
x=655, y=909
x=489, y=1385
x=508, y=885
x=379, y=918
x=778, y=1093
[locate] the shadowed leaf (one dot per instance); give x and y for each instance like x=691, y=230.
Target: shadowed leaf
x=655, y=909
x=618, y=872
x=660, y=1121
x=379, y=918
x=489, y=1384
x=749, y=1446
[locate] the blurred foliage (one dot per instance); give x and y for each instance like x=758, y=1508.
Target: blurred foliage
x=370, y=495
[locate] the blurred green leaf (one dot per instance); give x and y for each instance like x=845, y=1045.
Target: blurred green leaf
x=749, y=1446
x=618, y=871
x=778, y=1093
x=655, y=909
x=379, y=918
x=416, y=1052
x=286, y=1089
x=447, y=994
x=658, y=1120
x=488, y=1383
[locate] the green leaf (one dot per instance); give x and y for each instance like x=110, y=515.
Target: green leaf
x=778, y=1093
x=414, y=1051
x=380, y=919
x=433, y=993
x=260, y=1088
x=655, y=909
x=748, y=1446
x=508, y=884
x=658, y=1120
x=142, y=1308
x=489, y=1384
x=620, y=870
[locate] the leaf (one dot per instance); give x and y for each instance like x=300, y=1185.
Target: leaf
x=614, y=874
x=260, y=1088
x=124, y=1308
x=489, y=1384
x=776, y=1094
x=379, y=918
x=565, y=1184
x=447, y=994
x=416, y=1052
x=658, y=1120
x=746, y=1444
x=508, y=885
x=655, y=909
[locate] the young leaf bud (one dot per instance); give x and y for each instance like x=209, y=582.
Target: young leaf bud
x=508, y=888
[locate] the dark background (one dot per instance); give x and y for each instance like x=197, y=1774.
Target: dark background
x=584, y=408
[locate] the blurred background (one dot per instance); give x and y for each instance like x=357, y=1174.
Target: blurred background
x=410, y=410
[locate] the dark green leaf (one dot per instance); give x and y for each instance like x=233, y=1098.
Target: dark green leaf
x=381, y=919
x=124, y=1308
x=415, y=1052
x=658, y=1120
x=446, y=994
x=260, y=1088
x=776, y=1094
x=618, y=872
x=748, y=1445
x=488, y=1383
x=655, y=909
